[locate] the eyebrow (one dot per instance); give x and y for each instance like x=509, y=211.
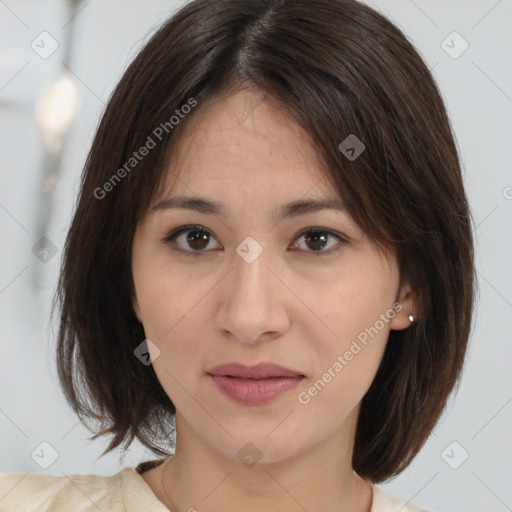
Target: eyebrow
x=288, y=210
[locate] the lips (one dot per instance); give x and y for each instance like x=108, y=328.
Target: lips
x=254, y=385
x=260, y=371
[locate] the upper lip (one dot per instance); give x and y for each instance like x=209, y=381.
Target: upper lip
x=259, y=371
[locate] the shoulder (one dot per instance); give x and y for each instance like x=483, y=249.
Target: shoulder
x=383, y=502
x=33, y=492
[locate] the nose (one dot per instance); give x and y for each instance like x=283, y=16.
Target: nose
x=254, y=299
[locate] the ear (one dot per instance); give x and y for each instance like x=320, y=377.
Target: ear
x=136, y=307
x=404, y=307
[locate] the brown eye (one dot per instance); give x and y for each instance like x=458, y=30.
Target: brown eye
x=197, y=240
x=191, y=240
x=316, y=239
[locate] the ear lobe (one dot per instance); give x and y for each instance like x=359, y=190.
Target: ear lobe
x=136, y=307
x=406, y=308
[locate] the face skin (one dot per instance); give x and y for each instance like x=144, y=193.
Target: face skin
x=296, y=304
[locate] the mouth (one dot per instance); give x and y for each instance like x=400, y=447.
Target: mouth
x=254, y=385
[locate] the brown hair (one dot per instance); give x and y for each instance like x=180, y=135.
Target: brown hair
x=339, y=68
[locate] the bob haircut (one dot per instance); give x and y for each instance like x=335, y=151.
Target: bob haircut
x=339, y=68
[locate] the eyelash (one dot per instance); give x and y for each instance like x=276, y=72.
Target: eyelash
x=184, y=229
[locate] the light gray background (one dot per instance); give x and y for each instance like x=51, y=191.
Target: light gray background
x=477, y=88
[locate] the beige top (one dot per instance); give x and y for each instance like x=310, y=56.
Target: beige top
x=125, y=491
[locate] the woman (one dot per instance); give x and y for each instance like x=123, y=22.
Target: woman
x=268, y=280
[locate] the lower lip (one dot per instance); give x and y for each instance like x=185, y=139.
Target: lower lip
x=252, y=391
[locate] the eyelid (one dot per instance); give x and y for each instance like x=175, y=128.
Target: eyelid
x=183, y=229
x=342, y=239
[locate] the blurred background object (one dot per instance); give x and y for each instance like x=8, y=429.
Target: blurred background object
x=54, y=115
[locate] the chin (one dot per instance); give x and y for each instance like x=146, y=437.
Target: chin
x=261, y=449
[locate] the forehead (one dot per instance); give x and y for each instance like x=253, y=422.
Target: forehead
x=246, y=141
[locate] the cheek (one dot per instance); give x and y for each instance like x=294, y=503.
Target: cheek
x=355, y=306
x=175, y=327
x=165, y=296
x=357, y=312
x=344, y=378
x=174, y=319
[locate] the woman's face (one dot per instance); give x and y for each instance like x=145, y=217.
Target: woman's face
x=253, y=288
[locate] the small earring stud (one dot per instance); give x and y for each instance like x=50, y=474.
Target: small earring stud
x=411, y=318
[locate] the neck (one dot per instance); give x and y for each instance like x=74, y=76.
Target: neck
x=197, y=477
